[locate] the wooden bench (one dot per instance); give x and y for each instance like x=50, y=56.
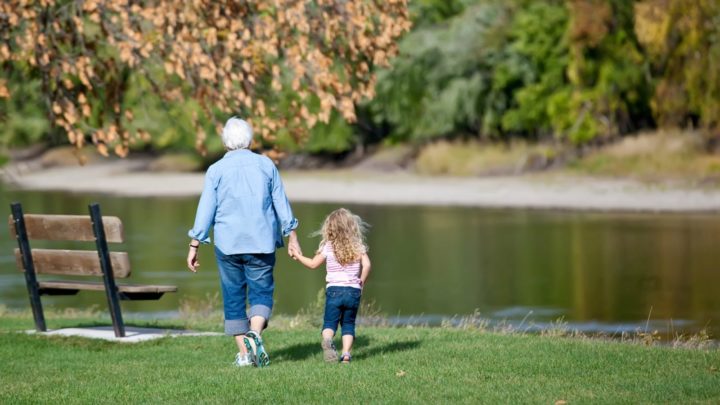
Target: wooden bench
x=99, y=263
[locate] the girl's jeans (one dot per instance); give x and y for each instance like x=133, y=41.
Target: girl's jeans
x=341, y=306
x=245, y=276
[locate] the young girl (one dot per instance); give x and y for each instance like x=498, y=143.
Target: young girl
x=343, y=249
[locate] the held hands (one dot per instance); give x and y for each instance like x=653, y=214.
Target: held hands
x=294, y=249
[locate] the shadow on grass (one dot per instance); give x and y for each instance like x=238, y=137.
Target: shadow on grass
x=362, y=346
x=388, y=348
x=297, y=352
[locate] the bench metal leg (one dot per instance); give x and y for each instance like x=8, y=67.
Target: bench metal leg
x=30, y=279
x=111, y=290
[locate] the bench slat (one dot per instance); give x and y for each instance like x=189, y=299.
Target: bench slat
x=74, y=262
x=99, y=286
x=68, y=227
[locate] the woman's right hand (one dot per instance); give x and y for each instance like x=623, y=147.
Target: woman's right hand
x=192, y=259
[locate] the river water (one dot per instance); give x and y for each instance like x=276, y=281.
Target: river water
x=599, y=272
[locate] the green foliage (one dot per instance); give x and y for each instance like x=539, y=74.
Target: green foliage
x=607, y=72
x=170, y=122
x=534, y=69
x=682, y=40
x=442, y=81
x=337, y=136
x=23, y=118
x=334, y=137
x=429, y=12
x=519, y=68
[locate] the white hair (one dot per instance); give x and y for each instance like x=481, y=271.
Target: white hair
x=237, y=134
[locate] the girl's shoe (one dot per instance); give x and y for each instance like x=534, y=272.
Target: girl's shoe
x=254, y=344
x=329, y=352
x=345, y=358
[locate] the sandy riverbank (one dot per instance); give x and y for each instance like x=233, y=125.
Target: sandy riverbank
x=551, y=191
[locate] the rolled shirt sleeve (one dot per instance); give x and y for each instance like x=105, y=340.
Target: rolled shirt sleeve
x=281, y=204
x=205, y=216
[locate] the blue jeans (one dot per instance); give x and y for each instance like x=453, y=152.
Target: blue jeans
x=245, y=276
x=341, y=306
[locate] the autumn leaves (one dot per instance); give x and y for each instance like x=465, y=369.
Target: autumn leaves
x=284, y=64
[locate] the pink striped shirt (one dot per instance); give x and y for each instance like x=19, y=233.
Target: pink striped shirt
x=337, y=274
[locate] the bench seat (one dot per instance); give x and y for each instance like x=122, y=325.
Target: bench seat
x=126, y=291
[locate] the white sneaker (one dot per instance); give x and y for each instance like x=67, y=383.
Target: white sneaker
x=243, y=360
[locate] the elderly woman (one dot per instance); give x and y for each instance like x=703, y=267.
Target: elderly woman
x=244, y=199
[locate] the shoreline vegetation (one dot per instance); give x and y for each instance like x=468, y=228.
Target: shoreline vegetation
x=467, y=363
x=204, y=315
x=654, y=172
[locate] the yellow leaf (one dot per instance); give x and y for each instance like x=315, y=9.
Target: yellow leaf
x=180, y=71
x=4, y=92
x=121, y=150
x=70, y=116
x=102, y=149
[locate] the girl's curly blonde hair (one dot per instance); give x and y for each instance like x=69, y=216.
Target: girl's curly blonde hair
x=345, y=232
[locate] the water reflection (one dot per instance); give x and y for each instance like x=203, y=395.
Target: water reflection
x=597, y=270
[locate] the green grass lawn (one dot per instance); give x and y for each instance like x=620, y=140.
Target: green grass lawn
x=390, y=365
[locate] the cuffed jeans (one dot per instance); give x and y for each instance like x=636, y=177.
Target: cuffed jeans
x=245, y=277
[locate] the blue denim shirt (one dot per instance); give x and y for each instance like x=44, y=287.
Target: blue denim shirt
x=244, y=198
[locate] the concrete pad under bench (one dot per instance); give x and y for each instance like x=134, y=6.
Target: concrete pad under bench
x=132, y=334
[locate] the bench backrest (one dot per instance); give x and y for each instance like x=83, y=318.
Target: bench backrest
x=71, y=228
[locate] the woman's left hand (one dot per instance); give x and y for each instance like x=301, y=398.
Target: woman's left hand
x=292, y=251
x=293, y=245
